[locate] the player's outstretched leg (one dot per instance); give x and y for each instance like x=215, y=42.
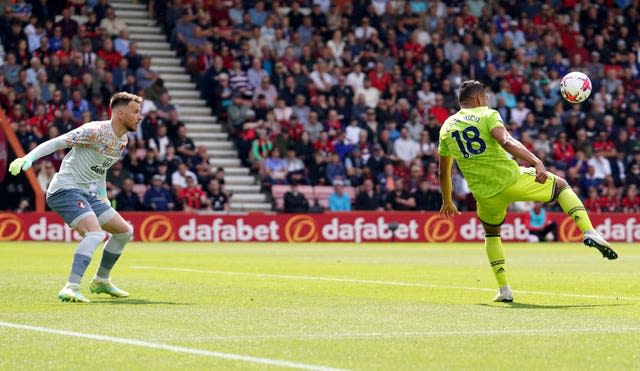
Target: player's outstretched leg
x=573, y=207
x=101, y=283
x=495, y=253
x=81, y=259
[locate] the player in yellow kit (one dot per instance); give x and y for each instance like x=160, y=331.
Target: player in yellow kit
x=476, y=138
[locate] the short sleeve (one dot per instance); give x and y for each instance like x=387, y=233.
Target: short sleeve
x=493, y=120
x=443, y=149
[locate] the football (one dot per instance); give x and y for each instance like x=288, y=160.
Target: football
x=575, y=87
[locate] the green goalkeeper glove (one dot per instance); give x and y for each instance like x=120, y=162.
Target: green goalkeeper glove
x=21, y=163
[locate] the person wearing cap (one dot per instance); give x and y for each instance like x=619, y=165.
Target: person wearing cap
x=157, y=197
x=339, y=200
x=294, y=201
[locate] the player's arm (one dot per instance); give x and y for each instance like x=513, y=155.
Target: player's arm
x=518, y=150
x=42, y=150
x=449, y=208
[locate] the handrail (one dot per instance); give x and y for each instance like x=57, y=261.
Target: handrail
x=19, y=151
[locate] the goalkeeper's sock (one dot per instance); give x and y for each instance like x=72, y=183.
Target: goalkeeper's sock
x=83, y=254
x=572, y=206
x=495, y=253
x=112, y=251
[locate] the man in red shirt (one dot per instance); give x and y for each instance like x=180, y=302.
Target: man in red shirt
x=380, y=79
x=631, y=202
x=192, y=197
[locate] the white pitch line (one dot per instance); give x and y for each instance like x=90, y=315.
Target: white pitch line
x=375, y=282
x=525, y=332
x=171, y=348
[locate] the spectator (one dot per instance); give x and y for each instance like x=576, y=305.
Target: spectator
x=145, y=75
x=336, y=170
x=157, y=197
x=111, y=24
x=368, y=198
x=183, y=144
x=610, y=201
x=631, y=201
x=179, y=176
x=399, y=199
x=192, y=197
x=294, y=201
x=218, y=200
x=405, y=147
x=77, y=105
x=295, y=168
x=45, y=174
x=539, y=224
x=339, y=200
x=127, y=200
x=274, y=169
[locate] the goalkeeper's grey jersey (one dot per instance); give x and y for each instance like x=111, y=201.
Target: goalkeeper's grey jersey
x=95, y=147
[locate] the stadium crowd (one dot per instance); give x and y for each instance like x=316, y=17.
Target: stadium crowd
x=59, y=72
x=343, y=92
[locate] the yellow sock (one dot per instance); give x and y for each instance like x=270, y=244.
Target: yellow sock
x=572, y=206
x=495, y=252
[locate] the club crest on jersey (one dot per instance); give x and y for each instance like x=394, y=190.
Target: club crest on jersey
x=81, y=204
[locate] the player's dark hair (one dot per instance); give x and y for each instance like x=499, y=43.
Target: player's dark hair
x=123, y=99
x=469, y=89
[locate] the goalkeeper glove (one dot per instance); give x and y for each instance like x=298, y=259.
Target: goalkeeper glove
x=21, y=163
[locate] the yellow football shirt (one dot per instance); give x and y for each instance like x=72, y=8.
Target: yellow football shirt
x=485, y=165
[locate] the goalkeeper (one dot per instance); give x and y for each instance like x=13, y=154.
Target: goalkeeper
x=95, y=146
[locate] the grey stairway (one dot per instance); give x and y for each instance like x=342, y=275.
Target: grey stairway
x=201, y=126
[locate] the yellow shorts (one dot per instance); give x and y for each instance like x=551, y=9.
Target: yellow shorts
x=493, y=210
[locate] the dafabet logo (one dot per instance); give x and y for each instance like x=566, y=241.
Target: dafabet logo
x=10, y=227
x=301, y=228
x=156, y=228
x=439, y=229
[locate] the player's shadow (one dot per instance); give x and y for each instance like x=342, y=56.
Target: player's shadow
x=113, y=301
x=538, y=306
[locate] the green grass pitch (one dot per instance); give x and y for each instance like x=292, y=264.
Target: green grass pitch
x=360, y=307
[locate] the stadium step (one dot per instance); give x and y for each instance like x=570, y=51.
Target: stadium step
x=131, y=21
x=248, y=197
x=169, y=69
x=164, y=61
x=241, y=188
x=201, y=126
x=239, y=179
x=200, y=119
x=149, y=35
x=215, y=144
x=225, y=162
x=202, y=131
x=139, y=30
x=236, y=170
x=153, y=45
x=172, y=85
x=190, y=94
x=158, y=53
x=119, y=5
x=175, y=77
x=197, y=111
x=182, y=102
x=221, y=153
x=132, y=13
x=210, y=136
x=249, y=206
